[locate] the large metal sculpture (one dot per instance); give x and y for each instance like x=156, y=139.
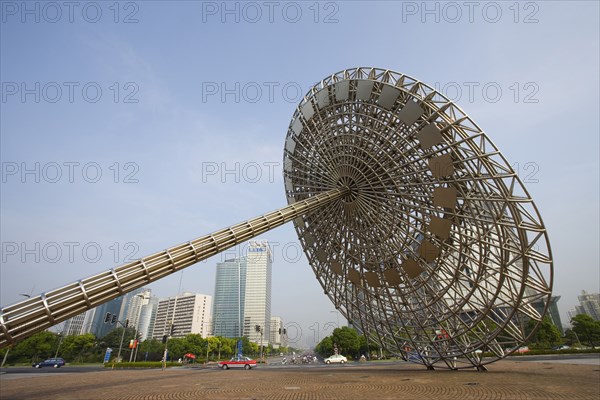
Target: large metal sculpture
x=417, y=228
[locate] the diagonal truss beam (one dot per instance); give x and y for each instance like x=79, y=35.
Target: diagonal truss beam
x=23, y=319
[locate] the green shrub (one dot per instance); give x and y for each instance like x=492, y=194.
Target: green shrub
x=140, y=364
x=537, y=352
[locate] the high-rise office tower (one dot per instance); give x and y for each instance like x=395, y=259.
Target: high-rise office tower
x=99, y=325
x=243, y=295
x=79, y=324
x=148, y=318
x=589, y=304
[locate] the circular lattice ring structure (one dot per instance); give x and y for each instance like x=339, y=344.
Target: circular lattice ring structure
x=436, y=251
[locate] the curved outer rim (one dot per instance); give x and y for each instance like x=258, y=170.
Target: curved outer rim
x=368, y=71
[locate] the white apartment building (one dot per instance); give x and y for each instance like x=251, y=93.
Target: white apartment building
x=189, y=313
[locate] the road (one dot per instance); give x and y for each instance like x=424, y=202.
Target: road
x=586, y=359
x=24, y=372
x=506, y=379
x=275, y=363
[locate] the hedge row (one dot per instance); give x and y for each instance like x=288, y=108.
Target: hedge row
x=537, y=352
x=140, y=364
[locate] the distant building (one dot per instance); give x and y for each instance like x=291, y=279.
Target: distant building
x=113, y=307
x=552, y=311
x=228, y=305
x=589, y=304
x=79, y=324
x=148, y=318
x=243, y=295
x=138, y=309
x=129, y=299
x=276, y=333
x=132, y=306
x=189, y=313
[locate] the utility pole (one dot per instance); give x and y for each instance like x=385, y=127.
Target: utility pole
x=260, y=329
x=137, y=321
x=6, y=356
x=135, y=344
x=122, y=336
x=170, y=332
x=62, y=335
x=166, y=340
x=136, y=351
x=207, y=346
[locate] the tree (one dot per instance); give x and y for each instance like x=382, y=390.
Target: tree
x=75, y=347
x=41, y=345
x=227, y=346
x=196, y=344
x=248, y=347
x=347, y=340
x=177, y=348
x=269, y=350
x=113, y=338
x=586, y=328
x=212, y=344
x=571, y=337
x=325, y=347
x=367, y=347
x=152, y=349
x=547, y=333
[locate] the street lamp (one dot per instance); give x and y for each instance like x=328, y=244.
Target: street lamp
x=578, y=341
x=62, y=336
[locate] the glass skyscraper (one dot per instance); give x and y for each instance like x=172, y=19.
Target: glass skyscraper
x=243, y=295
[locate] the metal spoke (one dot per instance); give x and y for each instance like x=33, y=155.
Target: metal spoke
x=399, y=263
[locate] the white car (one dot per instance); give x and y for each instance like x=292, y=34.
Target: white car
x=336, y=358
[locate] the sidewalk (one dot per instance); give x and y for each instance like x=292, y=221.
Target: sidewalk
x=504, y=380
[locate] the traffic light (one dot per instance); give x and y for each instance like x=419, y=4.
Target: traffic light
x=114, y=319
x=280, y=331
x=257, y=328
x=164, y=338
x=126, y=323
x=172, y=330
x=107, y=317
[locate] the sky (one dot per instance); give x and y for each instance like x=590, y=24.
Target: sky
x=129, y=127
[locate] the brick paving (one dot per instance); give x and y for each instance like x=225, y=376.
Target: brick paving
x=504, y=380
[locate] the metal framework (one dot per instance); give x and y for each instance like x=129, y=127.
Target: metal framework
x=437, y=251
x=415, y=225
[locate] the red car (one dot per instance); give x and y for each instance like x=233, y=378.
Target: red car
x=238, y=362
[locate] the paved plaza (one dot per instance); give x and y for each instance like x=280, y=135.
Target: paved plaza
x=504, y=380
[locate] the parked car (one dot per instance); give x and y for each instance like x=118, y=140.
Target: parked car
x=561, y=347
x=238, y=362
x=521, y=350
x=336, y=358
x=51, y=362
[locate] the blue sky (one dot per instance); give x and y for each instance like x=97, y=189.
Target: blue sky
x=163, y=98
